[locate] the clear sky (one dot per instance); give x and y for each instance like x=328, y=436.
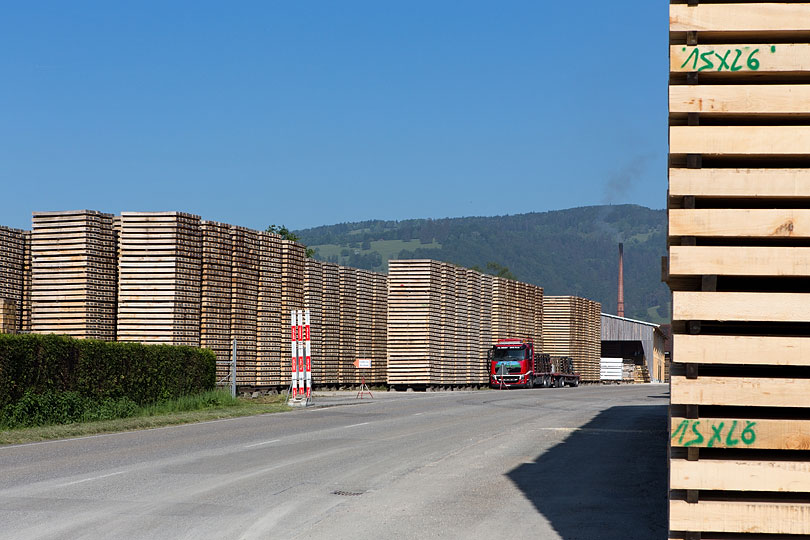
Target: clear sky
x=309, y=113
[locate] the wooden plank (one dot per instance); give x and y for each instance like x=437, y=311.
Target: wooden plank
x=740, y=58
x=739, y=261
x=753, y=17
x=740, y=516
x=740, y=475
x=740, y=306
x=741, y=391
x=740, y=99
x=745, y=350
x=739, y=140
x=740, y=222
x=751, y=433
x=748, y=183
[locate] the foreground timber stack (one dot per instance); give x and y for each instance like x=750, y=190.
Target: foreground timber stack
x=739, y=223
x=73, y=274
x=442, y=319
x=12, y=278
x=215, y=293
x=572, y=327
x=271, y=328
x=159, y=278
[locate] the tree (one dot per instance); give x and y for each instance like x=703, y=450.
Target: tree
x=287, y=234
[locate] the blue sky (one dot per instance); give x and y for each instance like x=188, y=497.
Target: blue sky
x=317, y=112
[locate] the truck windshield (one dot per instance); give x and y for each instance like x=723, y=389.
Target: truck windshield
x=510, y=354
x=507, y=367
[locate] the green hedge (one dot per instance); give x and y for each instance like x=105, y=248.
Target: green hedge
x=101, y=370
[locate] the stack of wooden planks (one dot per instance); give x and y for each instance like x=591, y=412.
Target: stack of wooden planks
x=8, y=316
x=245, y=301
x=159, y=278
x=215, y=295
x=272, y=327
x=739, y=262
x=73, y=274
x=12, y=277
x=313, y=301
x=442, y=320
x=329, y=354
x=377, y=329
x=572, y=327
x=293, y=256
x=347, y=373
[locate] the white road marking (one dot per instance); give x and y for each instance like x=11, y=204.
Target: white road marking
x=261, y=443
x=598, y=430
x=355, y=425
x=91, y=479
x=417, y=414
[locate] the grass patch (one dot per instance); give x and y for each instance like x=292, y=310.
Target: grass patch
x=386, y=248
x=204, y=407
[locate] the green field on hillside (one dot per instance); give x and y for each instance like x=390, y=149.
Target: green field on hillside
x=388, y=249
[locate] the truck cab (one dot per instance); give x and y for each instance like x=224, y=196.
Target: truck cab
x=512, y=364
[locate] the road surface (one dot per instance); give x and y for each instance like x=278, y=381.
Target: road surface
x=568, y=463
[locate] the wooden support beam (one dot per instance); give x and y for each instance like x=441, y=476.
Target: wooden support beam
x=740, y=99
x=742, y=58
x=739, y=261
x=754, y=17
x=740, y=516
x=740, y=475
x=739, y=140
x=753, y=433
x=740, y=306
x=740, y=222
x=742, y=350
x=741, y=391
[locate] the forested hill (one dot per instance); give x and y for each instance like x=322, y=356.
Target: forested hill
x=565, y=251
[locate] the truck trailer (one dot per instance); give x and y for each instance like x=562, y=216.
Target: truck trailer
x=513, y=363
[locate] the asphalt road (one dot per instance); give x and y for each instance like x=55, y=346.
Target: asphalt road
x=570, y=463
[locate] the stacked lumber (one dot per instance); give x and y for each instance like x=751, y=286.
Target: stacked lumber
x=572, y=327
x=293, y=256
x=739, y=187
x=347, y=373
x=8, y=316
x=378, y=329
x=26, y=301
x=73, y=274
x=244, y=301
x=330, y=325
x=443, y=319
x=12, y=276
x=272, y=329
x=365, y=325
x=215, y=293
x=313, y=301
x=159, y=278
x=414, y=321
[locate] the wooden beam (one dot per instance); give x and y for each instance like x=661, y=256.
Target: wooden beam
x=748, y=58
x=740, y=516
x=751, y=433
x=748, y=183
x=740, y=222
x=739, y=475
x=743, y=350
x=739, y=140
x=741, y=391
x=739, y=261
x=739, y=17
x=740, y=306
x=746, y=99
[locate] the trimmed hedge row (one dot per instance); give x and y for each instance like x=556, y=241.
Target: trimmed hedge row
x=101, y=370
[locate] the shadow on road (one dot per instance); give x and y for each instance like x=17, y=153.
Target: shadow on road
x=607, y=480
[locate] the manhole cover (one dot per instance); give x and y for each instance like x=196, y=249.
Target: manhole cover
x=347, y=493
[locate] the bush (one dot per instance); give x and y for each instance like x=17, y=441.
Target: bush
x=57, y=367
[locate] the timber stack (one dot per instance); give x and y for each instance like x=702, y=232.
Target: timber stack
x=215, y=293
x=443, y=319
x=572, y=327
x=159, y=278
x=739, y=186
x=244, y=301
x=73, y=274
x=12, y=277
x=271, y=327
x=348, y=325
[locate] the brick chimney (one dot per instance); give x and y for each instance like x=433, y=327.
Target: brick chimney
x=620, y=301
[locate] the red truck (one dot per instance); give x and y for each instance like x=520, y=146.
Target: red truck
x=513, y=363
